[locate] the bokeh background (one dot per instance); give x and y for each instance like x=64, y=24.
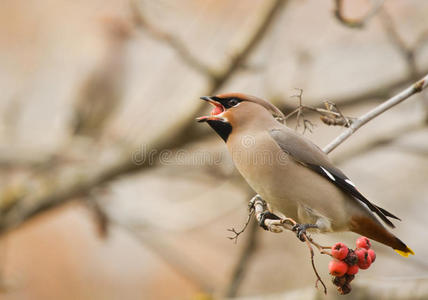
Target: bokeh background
x=110, y=190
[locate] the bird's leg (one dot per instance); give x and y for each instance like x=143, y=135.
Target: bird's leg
x=300, y=230
x=266, y=219
x=252, y=202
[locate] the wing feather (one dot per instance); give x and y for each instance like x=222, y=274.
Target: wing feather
x=311, y=156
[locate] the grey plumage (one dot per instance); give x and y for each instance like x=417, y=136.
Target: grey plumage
x=311, y=156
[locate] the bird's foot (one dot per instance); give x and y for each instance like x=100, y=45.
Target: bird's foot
x=267, y=215
x=300, y=230
x=252, y=202
x=267, y=220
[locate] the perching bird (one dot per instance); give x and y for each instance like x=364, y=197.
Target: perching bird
x=294, y=176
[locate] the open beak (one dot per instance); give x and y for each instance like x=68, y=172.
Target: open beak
x=215, y=113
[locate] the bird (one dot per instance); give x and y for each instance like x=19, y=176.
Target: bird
x=292, y=175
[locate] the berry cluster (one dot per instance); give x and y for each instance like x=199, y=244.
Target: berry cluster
x=346, y=262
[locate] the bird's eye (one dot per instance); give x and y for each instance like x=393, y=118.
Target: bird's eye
x=232, y=102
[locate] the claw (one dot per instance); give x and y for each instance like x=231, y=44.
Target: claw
x=300, y=230
x=267, y=215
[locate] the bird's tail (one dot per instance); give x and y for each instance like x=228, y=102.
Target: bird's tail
x=404, y=249
x=372, y=229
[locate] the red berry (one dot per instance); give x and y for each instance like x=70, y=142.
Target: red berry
x=363, y=242
x=360, y=253
x=372, y=254
x=339, y=251
x=337, y=268
x=364, y=259
x=352, y=270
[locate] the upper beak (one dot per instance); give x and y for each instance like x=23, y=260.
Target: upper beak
x=206, y=98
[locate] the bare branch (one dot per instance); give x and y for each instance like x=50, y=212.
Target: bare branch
x=334, y=116
x=5, y=285
x=179, y=261
x=406, y=51
x=171, y=40
x=356, y=23
x=266, y=19
x=380, y=91
x=311, y=250
x=236, y=234
x=240, y=268
x=101, y=217
x=307, y=125
x=179, y=134
x=331, y=115
x=359, y=122
x=380, y=141
x=287, y=223
x=421, y=41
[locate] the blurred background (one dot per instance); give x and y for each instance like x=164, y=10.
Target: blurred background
x=109, y=189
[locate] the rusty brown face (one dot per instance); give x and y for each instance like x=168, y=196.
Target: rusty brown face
x=226, y=106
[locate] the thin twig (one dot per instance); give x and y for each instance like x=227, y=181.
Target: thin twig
x=241, y=265
x=236, y=234
x=313, y=265
x=331, y=115
x=307, y=125
x=356, y=23
x=288, y=224
x=308, y=242
x=359, y=122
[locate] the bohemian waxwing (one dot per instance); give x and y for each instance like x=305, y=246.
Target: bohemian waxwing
x=293, y=175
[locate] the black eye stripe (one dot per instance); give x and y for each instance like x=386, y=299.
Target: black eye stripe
x=228, y=102
x=233, y=102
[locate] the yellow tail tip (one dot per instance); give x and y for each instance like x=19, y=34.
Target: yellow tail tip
x=405, y=253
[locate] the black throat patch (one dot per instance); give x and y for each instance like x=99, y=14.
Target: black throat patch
x=223, y=129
